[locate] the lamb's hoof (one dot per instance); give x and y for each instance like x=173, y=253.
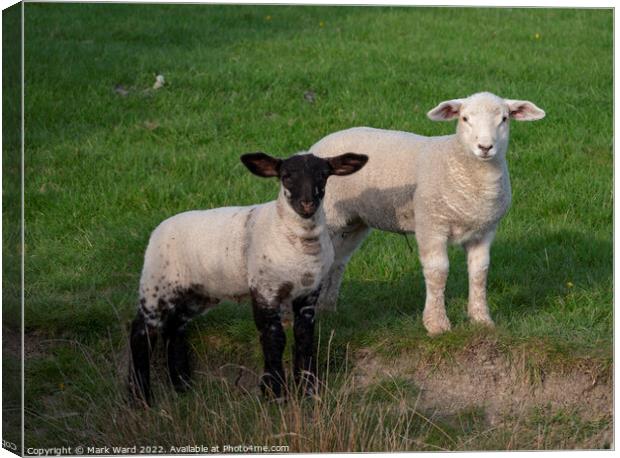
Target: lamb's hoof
x=436, y=325
x=139, y=401
x=272, y=389
x=136, y=398
x=483, y=320
x=306, y=385
x=140, y=404
x=182, y=385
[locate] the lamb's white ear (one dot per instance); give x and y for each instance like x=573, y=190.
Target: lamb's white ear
x=522, y=110
x=446, y=111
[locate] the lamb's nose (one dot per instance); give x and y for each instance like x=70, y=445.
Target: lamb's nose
x=486, y=149
x=307, y=206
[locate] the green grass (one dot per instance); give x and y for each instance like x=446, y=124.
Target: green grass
x=103, y=170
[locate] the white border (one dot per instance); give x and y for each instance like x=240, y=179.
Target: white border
x=453, y=3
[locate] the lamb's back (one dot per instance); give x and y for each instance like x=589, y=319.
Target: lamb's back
x=381, y=194
x=204, y=247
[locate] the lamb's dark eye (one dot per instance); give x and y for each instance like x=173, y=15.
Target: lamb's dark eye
x=504, y=118
x=287, y=180
x=464, y=118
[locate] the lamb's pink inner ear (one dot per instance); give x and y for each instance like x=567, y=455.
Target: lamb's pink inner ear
x=445, y=111
x=522, y=110
x=347, y=163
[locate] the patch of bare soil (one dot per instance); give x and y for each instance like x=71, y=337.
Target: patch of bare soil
x=481, y=377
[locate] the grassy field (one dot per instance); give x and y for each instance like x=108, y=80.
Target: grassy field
x=103, y=169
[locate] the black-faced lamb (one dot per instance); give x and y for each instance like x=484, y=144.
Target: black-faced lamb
x=275, y=253
x=452, y=188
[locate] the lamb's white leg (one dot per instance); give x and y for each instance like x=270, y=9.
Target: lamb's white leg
x=345, y=243
x=478, y=258
x=331, y=286
x=434, y=257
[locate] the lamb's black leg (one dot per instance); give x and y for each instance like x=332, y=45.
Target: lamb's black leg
x=141, y=341
x=303, y=350
x=177, y=352
x=273, y=340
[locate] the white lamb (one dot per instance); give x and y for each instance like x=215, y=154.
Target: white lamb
x=276, y=253
x=451, y=188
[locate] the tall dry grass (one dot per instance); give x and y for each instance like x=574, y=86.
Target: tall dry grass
x=224, y=407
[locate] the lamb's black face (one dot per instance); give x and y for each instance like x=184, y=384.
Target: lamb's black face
x=303, y=176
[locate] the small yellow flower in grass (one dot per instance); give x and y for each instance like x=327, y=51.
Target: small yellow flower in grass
x=322, y=24
x=61, y=386
x=537, y=36
x=569, y=284
x=268, y=18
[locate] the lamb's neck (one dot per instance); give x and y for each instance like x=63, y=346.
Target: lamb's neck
x=292, y=223
x=464, y=167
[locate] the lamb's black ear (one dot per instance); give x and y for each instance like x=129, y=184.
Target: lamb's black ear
x=262, y=164
x=347, y=163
